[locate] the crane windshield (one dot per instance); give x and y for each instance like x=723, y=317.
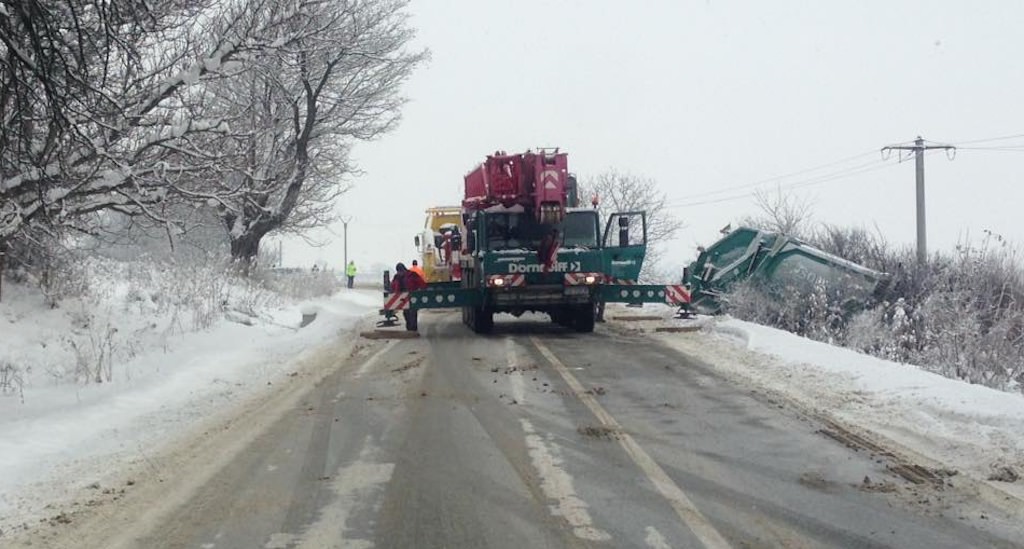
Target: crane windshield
x=507, y=231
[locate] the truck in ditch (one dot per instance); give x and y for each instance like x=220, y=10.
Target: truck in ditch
x=783, y=266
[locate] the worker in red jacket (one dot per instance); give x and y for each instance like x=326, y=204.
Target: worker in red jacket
x=407, y=281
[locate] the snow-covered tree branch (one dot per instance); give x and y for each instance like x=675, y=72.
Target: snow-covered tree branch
x=249, y=106
x=780, y=212
x=296, y=111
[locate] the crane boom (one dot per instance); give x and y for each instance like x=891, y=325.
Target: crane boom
x=538, y=181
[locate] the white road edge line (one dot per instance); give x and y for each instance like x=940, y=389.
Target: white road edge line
x=557, y=484
x=683, y=506
x=352, y=485
x=515, y=375
x=655, y=540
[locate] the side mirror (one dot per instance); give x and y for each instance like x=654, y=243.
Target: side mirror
x=471, y=241
x=623, y=231
x=416, y=239
x=572, y=196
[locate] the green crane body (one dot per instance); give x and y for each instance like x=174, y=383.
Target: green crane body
x=529, y=247
x=784, y=265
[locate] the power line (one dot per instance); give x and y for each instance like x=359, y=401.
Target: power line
x=868, y=168
x=1010, y=148
x=818, y=180
x=780, y=177
x=799, y=184
x=989, y=139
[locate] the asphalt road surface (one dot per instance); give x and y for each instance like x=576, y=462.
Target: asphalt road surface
x=540, y=437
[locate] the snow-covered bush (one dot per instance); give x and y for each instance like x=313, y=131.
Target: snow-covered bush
x=960, y=315
x=813, y=311
x=45, y=260
x=885, y=331
x=12, y=381
x=95, y=349
x=969, y=321
x=127, y=305
x=137, y=286
x=300, y=283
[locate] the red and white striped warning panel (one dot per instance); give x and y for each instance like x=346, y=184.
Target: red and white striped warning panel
x=676, y=294
x=583, y=279
x=621, y=281
x=397, y=301
x=506, y=281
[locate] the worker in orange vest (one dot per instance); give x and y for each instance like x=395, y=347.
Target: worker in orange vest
x=417, y=269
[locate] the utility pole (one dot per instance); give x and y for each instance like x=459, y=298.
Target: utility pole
x=919, y=148
x=344, y=224
x=3, y=257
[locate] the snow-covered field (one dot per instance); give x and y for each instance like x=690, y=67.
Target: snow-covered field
x=974, y=430
x=60, y=433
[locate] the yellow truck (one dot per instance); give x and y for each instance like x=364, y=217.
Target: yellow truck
x=440, y=242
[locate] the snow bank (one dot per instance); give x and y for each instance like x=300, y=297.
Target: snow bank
x=971, y=428
x=928, y=391
x=57, y=437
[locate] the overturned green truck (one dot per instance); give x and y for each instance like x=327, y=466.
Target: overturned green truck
x=782, y=266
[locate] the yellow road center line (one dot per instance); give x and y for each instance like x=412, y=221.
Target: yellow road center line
x=683, y=506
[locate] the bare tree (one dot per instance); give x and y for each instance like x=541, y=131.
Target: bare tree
x=620, y=192
x=120, y=106
x=780, y=212
x=333, y=79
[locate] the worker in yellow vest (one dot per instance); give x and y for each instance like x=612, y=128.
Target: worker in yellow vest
x=350, y=272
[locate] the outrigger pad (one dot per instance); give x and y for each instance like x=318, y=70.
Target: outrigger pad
x=390, y=319
x=637, y=318
x=390, y=334
x=678, y=329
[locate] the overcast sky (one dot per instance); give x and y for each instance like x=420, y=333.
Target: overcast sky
x=706, y=96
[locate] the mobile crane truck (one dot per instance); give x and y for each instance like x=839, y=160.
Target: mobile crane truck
x=528, y=246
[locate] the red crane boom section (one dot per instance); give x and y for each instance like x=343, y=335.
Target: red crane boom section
x=536, y=181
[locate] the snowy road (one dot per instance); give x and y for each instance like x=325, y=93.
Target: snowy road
x=535, y=437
